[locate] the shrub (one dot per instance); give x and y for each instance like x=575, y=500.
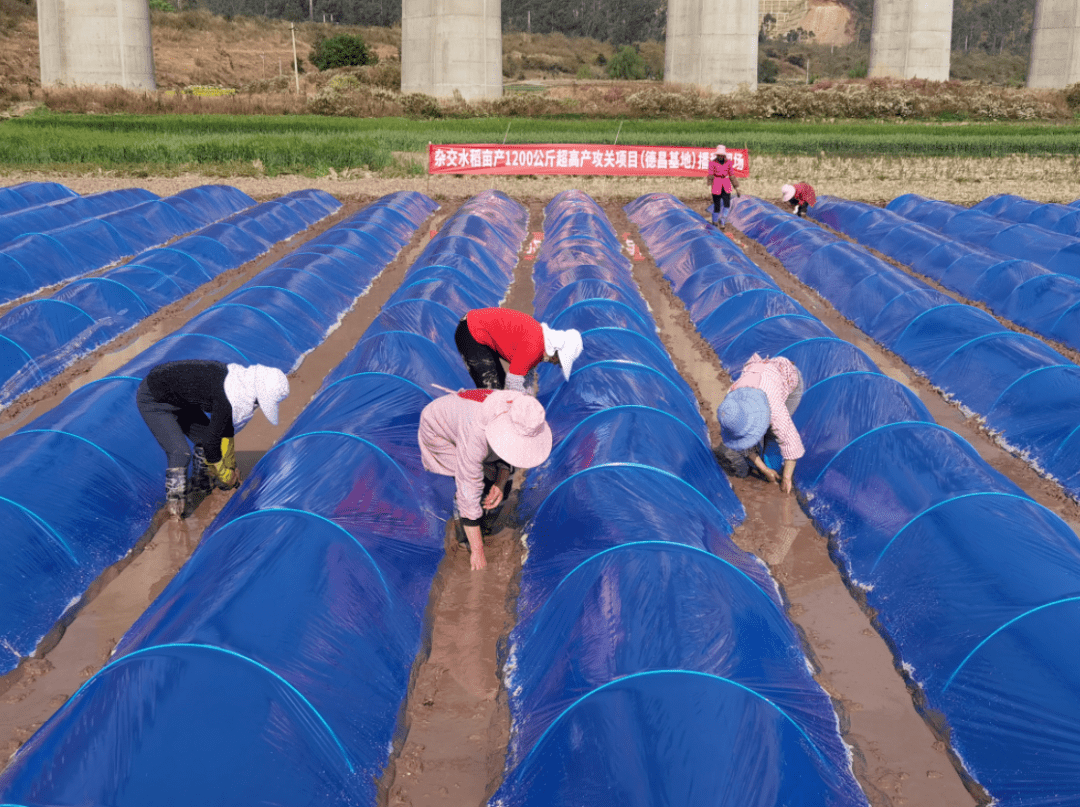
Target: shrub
x=419, y=105
x=345, y=96
x=767, y=71
x=161, y=5
x=627, y=65
x=653, y=54
x=341, y=51
x=277, y=84
x=1072, y=97
x=384, y=74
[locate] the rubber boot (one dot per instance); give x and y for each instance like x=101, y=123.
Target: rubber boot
x=200, y=479
x=176, y=491
x=738, y=464
x=490, y=517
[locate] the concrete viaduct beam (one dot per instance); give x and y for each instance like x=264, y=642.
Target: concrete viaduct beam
x=712, y=43
x=103, y=42
x=911, y=39
x=452, y=45
x=1055, y=44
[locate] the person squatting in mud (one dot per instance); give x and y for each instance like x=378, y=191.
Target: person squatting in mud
x=467, y=435
x=206, y=403
x=758, y=408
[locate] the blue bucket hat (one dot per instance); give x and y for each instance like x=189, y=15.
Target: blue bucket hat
x=744, y=418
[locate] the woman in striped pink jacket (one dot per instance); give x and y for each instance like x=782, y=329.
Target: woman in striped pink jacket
x=760, y=404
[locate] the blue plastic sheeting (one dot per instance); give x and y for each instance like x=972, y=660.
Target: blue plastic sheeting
x=83, y=481
x=29, y=194
x=40, y=338
x=470, y=261
x=67, y=211
x=334, y=539
x=1050, y=216
x=971, y=582
x=1057, y=252
x=1018, y=289
x=680, y=691
x=604, y=749
x=1025, y=390
x=94, y=232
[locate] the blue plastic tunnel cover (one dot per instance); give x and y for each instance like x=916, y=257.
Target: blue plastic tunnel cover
x=670, y=738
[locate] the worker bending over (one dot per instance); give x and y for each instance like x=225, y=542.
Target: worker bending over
x=758, y=407
x=476, y=436
x=486, y=335
x=206, y=403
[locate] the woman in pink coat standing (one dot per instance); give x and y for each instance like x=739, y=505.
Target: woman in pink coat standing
x=721, y=182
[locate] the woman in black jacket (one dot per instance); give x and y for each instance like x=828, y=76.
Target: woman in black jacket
x=206, y=403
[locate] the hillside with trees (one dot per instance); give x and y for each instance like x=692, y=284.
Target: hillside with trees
x=993, y=26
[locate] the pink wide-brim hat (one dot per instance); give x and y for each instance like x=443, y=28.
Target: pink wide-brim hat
x=521, y=436
x=787, y=192
x=720, y=150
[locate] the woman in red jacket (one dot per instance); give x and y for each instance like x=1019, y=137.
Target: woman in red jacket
x=800, y=196
x=486, y=335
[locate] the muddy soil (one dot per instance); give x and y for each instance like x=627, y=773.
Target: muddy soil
x=456, y=724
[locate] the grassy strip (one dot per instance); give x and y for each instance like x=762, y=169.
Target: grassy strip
x=313, y=144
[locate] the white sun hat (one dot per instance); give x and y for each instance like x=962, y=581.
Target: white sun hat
x=567, y=345
x=521, y=435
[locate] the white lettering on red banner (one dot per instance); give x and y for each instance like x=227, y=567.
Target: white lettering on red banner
x=486, y=158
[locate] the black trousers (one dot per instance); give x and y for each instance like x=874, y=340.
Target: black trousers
x=172, y=426
x=482, y=362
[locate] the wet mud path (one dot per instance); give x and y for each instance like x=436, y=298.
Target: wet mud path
x=455, y=722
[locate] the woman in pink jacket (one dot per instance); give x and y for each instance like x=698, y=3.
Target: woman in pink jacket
x=722, y=182
x=476, y=436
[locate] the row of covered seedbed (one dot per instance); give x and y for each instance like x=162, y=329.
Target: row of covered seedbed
x=48, y=243
x=652, y=662
x=40, y=338
x=1024, y=390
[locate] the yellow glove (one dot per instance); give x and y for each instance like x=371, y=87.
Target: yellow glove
x=225, y=469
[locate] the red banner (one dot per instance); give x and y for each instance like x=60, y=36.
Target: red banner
x=578, y=159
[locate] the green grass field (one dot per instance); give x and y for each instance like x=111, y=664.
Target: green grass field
x=311, y=145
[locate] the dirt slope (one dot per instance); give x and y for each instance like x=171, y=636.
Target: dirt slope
x=830, y=22
x=211, y=51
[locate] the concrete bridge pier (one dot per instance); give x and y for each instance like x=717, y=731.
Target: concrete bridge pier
x=712, y=43
x=911, y=39
x=1055, y=44
x=101, y=42
x=449, y=45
